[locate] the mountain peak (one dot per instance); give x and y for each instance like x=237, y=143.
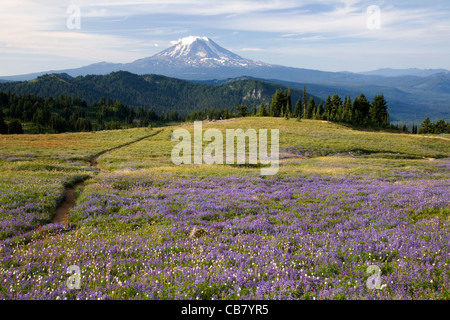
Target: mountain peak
x=196, y=51
x=190, y=40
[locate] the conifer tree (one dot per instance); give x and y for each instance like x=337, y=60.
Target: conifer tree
x=304, y=101
x=277, y=103
x=289, y=101
x=320, y=111
x=361, y=108
x=262, y=110
x=15, y=127
x=298, y=108
x=242, y=110
x=347, y=111
x=440, y=127
x=336, y=106
x=379, y=112
x=355, y=111
x=328, y=107
x=311, y=108
x=426, y=127
x=3, y=125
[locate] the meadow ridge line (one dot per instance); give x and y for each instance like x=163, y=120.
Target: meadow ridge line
x=62, y=211
x=94, y=163
x=209, y=122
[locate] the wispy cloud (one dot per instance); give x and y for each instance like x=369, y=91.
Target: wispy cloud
x=250, y=49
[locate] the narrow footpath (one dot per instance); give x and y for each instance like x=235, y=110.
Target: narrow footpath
x=63, y=210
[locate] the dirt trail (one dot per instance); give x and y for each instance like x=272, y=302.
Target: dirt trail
x=94, y=162
x=62, y=212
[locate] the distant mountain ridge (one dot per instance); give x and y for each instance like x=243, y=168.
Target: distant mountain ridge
x=389, y=72
x=200, y=58
x=412, y=94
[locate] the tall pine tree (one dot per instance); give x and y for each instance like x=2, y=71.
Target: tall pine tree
x=336, y=106
x=3, y=125
x=328, y=107
x=347, y=113
x=288, y=102
x=320, y=111
x=426, y=127
x=304, y=101
x=311, y=108
x=278, y=103
x=298, y=108
x=379, y=114
x=361, y=110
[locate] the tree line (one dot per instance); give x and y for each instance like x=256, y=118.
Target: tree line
x=428, y=127
x=67, y=114
x=359, y=112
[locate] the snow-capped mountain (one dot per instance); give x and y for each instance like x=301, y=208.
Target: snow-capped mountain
x=202, y=52
x=197, y=52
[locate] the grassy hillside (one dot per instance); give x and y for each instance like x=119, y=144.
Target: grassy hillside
x=302, y=144
x=306, y=146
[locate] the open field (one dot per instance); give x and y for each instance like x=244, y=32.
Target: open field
x=343, y=200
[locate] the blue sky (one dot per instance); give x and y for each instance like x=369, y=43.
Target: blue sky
x=323, y=35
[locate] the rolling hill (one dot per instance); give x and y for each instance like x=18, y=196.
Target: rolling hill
x=152, y=91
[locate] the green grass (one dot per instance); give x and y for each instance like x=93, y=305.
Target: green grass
x=431, y=213
x=307, y=147
x=67, y=146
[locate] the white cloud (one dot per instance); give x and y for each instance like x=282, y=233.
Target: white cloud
x=250, y=49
